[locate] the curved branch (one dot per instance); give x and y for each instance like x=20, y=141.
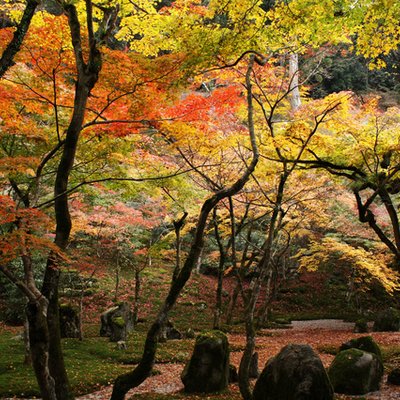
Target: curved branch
x=7, y=58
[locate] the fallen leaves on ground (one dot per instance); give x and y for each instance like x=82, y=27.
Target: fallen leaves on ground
x=323, y=338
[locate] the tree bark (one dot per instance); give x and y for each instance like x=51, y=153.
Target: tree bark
x=39, y=343
x=87, y=78
x=7, y=58
x=222, y=258
x=294, y=96
x=178, y=227
x=137, y=296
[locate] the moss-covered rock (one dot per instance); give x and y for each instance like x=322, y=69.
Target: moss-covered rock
x=295, y=373
x=355, y=372
x=69, y=321
x=361, y=326
x=387, y=321
x=119, y=321
x=116, y=322
x=208, y=369
x=366, y=343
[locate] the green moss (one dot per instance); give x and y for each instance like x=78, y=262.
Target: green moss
x=354, y=372
x=366, y=343
x=119, y=321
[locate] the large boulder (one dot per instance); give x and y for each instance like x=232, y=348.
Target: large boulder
x=69, y=321
x=116, y=322
x=387, y=321
x=366, y=343
x=355, y=372
x=208, y=369
x=295, y=373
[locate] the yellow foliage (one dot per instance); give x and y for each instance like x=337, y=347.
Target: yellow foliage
x=364, y=262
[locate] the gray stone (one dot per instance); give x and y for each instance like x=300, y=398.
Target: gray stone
x=355, y=372
x=296, y=373
x=169, y=332
x=116, y=322
x=208, y=369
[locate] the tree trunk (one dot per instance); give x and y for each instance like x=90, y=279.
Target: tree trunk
x=56, y=359
x=87, y=78
x=178, y=227
x=232, y=304
x=39, y=343
x=7, y=58
x=263, y=268
x=294, y=96
x=264, y=310
x=117, y=271
x=28, y=356
x=137, y=296
x=222, y=258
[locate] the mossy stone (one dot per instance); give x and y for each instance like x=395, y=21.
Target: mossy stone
x=361, y=326
x=387, y=321
x=69, y=321
x=366, y=343
x=208, y=368
x=119, y=321
x=355, y=372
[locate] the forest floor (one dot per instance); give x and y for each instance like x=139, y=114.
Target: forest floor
x=325, y=336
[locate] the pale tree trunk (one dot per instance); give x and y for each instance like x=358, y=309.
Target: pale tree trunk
x=294, y=97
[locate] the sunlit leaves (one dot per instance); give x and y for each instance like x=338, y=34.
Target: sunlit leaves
x=366, y=264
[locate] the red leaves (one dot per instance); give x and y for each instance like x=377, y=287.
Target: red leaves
x=204, y=107
x=23, y=230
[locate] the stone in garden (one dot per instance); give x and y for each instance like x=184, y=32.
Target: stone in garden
x=387, y=321
x=360, y=326
x=208, y=369
x=366, y=343
x=169, y=332
x=394, y=377
x=355, y=372
x=69, y=321
x=116, y=322
x=295, y=373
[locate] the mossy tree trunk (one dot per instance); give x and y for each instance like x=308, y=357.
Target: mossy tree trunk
x=134, y=378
